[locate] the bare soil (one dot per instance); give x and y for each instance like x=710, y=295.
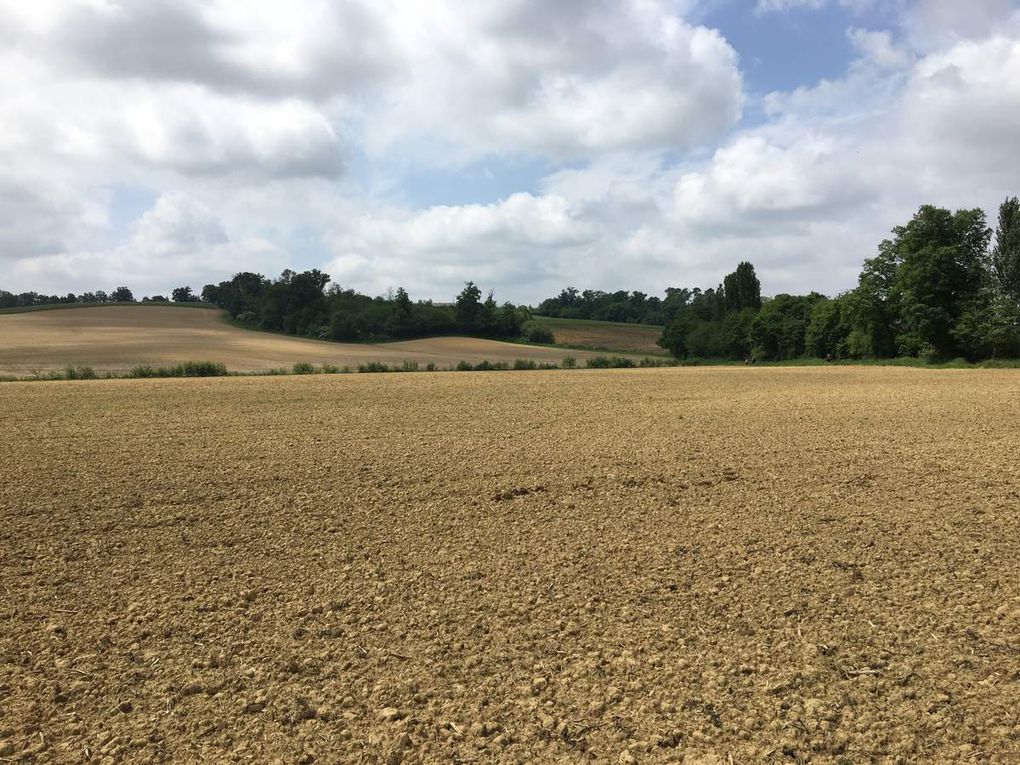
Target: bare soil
x=665, y=565
x=625, y=338
x=117, y=338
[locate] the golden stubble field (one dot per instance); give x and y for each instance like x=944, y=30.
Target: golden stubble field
x=117, y=338
x=677, y=565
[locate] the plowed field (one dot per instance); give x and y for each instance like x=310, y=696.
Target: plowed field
x=666, y=565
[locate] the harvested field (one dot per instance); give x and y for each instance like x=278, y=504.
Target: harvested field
x=664, y=565
x=613, y=336
x=117, y=338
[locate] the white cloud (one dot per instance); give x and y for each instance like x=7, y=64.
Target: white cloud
x=878, y=49
x=218, y=98
x=179, y=240
x=934, y=24
x=564, y=79
x=439, y=248
x=249, y=122
x=772, y=6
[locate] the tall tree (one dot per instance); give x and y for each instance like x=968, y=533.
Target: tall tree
x=469, y=307
x=1006, y=254
x=939, y=262
x=742, y=289
x=122, y=295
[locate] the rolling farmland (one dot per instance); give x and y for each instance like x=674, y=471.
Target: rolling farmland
x=609, y=335
x=664, y=565
x=117, y=338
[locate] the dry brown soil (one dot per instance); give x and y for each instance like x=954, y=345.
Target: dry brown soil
x=629, y=338
x=664, y=565
x=117, y=338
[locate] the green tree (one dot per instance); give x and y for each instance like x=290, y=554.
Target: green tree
x=183, y=295
x=1006, y=254
x=741, y=289
x=122, y=295
x=736, y=333
x=778, y=330
x=827, y=331
x=402, y=323
x=940, y=268
x=468, y=308
x=869, y=320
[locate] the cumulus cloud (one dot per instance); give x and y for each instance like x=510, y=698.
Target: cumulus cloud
x=932, y=24
x=251, y=126
x=179, y=237
x=564, y=79
x=521, y=237
x=217, y=97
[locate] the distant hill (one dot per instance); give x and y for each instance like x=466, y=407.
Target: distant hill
x=119, y=337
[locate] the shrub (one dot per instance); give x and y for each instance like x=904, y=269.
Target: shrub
x=547, y=365
x=609, y=362
x=143, y=370
x=79, y=373
x=202, y=369
x=491, y=366
x=538, y=333
x=303, y=368
x=409, y=366
x=187, y=369
x=569, y=362
x=524, y=364
x=430, y=367
x=330, y=369
x=373, y=367
x=464, y=366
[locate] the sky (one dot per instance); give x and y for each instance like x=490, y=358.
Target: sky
x=522, y=144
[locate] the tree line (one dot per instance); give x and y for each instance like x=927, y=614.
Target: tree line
x=302, y=304
x=940, y=288
x=621, y=306
x=943, y=286
x=99, y=297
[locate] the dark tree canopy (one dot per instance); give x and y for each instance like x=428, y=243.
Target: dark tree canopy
x=742, y=289
x=300, y=303
x=933, y=290
x=1006, y=253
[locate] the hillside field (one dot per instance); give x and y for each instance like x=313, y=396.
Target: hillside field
x=605, y=335
x=698, y=565
x=117, y=338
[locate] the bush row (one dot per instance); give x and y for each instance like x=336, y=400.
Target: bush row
x=187, y=369
x=218, y=369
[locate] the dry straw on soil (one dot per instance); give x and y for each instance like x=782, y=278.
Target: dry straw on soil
x=684, y=565
x=117, y=338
